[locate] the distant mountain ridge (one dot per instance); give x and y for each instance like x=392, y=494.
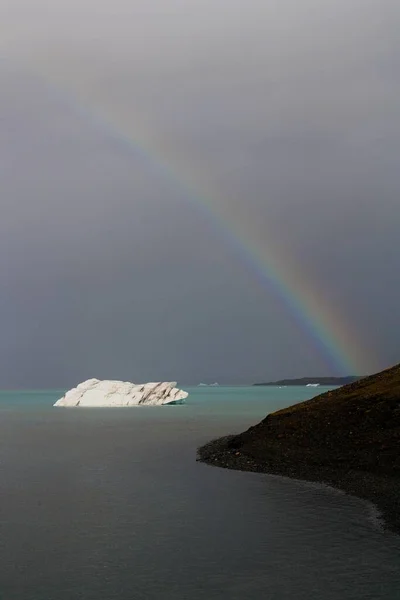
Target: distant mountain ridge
x=319, y=380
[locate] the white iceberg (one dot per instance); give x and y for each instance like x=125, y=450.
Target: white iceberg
x=96, y=393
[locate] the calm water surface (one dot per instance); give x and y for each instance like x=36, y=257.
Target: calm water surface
x=110, y=504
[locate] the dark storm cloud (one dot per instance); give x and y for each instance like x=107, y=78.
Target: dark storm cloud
x=289, y=113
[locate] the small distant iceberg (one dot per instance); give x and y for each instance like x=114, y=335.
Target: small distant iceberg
x=208, y=384
x=312, y=385
x=107, y=393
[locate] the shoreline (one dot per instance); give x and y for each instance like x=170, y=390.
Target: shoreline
x=382, y=491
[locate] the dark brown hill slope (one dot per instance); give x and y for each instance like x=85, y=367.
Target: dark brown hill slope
x=348, y=437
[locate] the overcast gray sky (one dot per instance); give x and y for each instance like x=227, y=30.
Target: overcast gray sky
x=283, y=115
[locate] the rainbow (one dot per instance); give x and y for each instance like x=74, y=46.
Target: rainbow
x=334, y=340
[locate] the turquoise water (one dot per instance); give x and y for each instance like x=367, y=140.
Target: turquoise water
x=254, y=400
x=111, y=503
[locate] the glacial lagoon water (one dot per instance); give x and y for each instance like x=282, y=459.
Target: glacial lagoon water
x=111, y=504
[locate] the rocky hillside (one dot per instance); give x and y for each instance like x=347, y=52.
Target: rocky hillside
x=349, y=437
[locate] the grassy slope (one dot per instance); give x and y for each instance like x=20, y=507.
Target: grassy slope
x=358, y=425
x=348, y=438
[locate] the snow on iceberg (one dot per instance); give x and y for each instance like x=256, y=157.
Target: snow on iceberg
x=96, y=393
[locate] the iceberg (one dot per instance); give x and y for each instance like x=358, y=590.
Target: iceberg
x=96, y=393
